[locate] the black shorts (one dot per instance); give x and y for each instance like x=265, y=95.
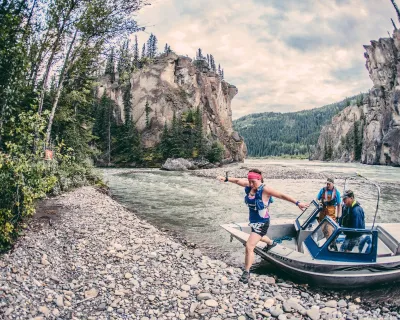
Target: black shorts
x=260, y=228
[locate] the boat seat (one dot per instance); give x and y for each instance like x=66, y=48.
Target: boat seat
x=389, y=233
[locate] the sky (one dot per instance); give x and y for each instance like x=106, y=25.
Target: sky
x=282, y=55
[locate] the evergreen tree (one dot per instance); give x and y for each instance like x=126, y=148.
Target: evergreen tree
x=222, y=74
x=357, y=141
x=144, y=51
x=199, y=54
x=166, y=48
x=212, y=63
x=110, y=66
x=208, y=60
x=136, y=53
x=147, y=110
x=219, y=71
x=152, y=46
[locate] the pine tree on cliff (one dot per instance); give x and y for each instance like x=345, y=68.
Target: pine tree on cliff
x=144, y=51
x=136, y=53
x=166, y=48
x=219, y=70
x=396, y=8
x=110, y=66
x=123, y=59
x=147, y=110
x=222, y=74
x=208, y=60
x=152, y=46
x=212, y=63
x=199, y=54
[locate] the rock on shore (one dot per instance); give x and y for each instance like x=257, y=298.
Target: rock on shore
x=97, y=260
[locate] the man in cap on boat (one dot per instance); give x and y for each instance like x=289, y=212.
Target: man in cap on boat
x=329, y=196
x=352, y=217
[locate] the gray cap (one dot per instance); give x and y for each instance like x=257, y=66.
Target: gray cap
x=331, y=180
x=348, y=194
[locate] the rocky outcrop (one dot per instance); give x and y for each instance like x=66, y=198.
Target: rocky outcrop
x=377, y=114
x=175, y=84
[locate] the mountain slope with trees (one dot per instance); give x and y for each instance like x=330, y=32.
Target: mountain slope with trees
x=293, y=133
x=51, y=54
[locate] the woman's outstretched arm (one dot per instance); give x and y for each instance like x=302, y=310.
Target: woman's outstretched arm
x=238, y=181
x=272, y=192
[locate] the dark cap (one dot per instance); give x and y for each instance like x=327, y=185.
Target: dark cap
x=348, y=194
x=331, y=180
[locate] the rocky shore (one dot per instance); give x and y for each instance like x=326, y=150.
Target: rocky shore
x=84, y=256
x=240, y=170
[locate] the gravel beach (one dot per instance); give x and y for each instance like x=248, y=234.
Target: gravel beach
x=84, y=256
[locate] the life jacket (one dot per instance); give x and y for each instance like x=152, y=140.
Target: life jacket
x=258, y=210
x=347, y=217
x=328, y=199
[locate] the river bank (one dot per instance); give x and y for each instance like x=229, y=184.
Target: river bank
x=86, y=256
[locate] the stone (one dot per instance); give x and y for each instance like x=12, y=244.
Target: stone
x=211, y=303
x=185, y=287
x=183, y=294
x=269, y=303
x=60, y=301
x=92, y=293
x=342, y=303
x=331, y=304
x=275, y=311
x=128, y=275
x=328, y=310
x=56, y=312
x=204, y=296
x=193, y=307
x=102, y=307
x=313, y=314
x=44, y=310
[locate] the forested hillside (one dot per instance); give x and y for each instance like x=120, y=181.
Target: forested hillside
x=51, y=54
x=294, y=133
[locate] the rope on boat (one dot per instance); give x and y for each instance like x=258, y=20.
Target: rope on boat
x=279, y=240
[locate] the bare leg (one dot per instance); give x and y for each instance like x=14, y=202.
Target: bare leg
x=266, y=240
x=251, y=243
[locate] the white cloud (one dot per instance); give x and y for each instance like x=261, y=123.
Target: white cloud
x=283, y=55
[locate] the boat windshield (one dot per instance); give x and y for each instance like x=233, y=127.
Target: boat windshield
x=307, y=214
x=323, y=232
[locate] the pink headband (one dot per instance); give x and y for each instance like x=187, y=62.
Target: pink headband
x=253, y=176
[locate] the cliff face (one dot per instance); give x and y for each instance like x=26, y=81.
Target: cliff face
x=377, y=114
x=173, y=84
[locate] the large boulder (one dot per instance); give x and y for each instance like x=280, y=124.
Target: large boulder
x=178, y=164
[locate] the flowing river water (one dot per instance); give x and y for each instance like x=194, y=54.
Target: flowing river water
x=193, y=207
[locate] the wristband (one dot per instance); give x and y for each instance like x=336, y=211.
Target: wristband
x=226, y=179
x=297, y=203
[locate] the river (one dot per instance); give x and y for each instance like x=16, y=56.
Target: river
x=194, y=207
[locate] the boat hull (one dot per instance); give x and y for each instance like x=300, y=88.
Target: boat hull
x=333, y=274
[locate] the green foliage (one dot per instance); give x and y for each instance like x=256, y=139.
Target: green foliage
x=62, y=40
x=216, y=152
x=147, y=110
x=25, y=176
x=277, y=134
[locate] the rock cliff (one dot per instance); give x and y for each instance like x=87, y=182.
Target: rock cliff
x=376, y=115
x=175, y=84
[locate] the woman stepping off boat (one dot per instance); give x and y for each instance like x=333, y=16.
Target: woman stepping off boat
x=257, y=199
